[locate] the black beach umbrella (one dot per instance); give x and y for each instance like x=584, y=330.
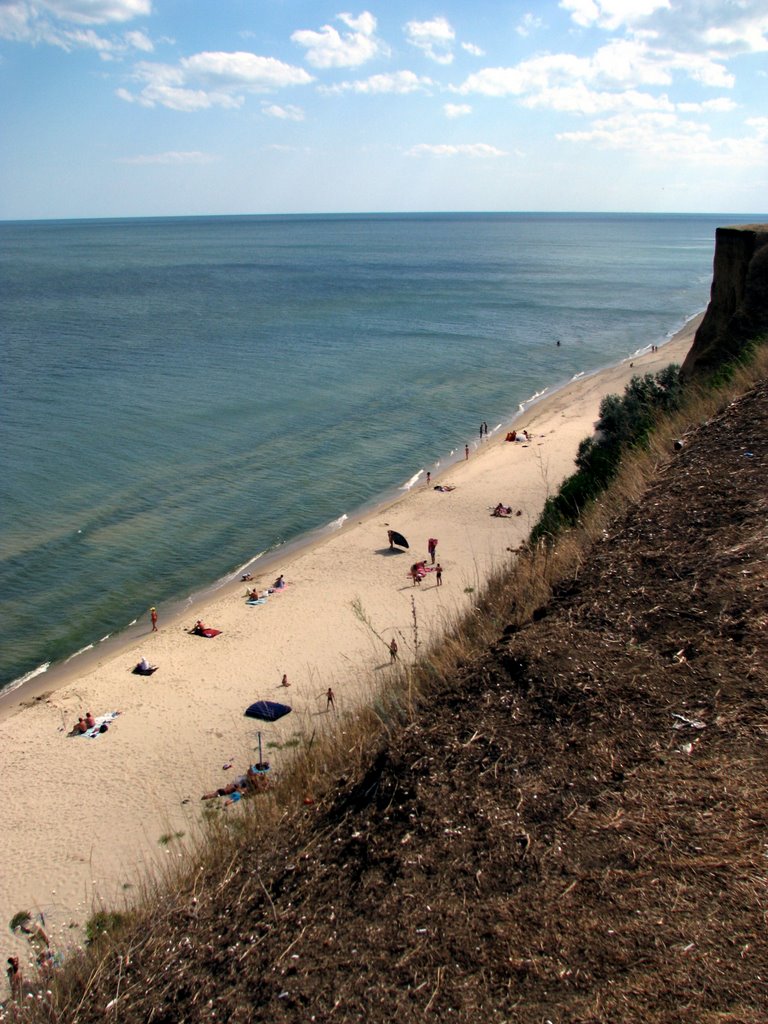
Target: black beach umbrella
x=267, y=710
x=398, y=538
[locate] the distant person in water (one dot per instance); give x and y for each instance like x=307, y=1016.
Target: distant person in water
x=153, y=617
x=466, y=451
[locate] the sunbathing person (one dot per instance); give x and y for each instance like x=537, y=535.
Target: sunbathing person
x=80, y=727
x=199, y=627
x=502, y=510
x=90, y=721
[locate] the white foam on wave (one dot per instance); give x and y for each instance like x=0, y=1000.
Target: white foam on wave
x=534, y=397
x=577, y=375
x=105, y=638
x=409, y=483
x=88, y=647
x=27, y=676
x=338, y=523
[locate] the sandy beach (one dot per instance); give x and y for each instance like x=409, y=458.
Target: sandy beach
x=85, y=816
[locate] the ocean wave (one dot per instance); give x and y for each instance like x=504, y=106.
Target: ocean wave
x=409, y=483
x=534, y=398
x=338, y=523
x=27, y=676
x=88, y=647
x=576, y=376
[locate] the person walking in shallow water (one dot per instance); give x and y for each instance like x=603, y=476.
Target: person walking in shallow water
x=153, y=617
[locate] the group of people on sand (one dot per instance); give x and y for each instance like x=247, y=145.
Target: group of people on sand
x=503, y=511
x=254, y=594
x=83, y=724
x=523, y=436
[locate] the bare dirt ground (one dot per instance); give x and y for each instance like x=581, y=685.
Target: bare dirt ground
x=576, y=830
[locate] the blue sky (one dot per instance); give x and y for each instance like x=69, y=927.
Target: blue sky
x=173, y=107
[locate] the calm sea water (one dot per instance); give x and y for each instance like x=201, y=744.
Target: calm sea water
x=179, y=395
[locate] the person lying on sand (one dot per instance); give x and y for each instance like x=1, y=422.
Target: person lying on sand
x=252, y=781
x=143, y=668
x=444, y=487
x=502, y=510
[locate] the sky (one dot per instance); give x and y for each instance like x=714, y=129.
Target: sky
x=126, y=108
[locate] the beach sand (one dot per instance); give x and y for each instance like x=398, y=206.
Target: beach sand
x=84, y=818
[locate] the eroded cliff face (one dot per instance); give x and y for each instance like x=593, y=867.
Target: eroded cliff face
x=738, y=306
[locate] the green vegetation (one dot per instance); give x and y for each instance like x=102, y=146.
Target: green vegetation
x=625, y=423
x=104, y=922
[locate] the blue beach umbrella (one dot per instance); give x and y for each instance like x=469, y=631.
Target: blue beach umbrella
x=267, y=710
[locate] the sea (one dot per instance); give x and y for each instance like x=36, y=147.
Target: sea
x=180, y=397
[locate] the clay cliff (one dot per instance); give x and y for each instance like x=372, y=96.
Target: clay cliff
x=738, y=306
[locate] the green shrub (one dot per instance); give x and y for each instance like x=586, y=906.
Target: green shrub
x=625, y=422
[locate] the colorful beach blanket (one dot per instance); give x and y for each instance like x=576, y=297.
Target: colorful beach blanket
x=258, y=600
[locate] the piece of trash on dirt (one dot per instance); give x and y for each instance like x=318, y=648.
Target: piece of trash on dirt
x=749, y=455
x=692, y=723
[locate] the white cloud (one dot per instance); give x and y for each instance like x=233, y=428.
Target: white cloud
x=211, y=80
x=528, y=23
x=614, y=77
x=192, y=157
x=611, y=14
x=668, y=137
x=283, y=113
x=398, y=82
x=51, y=23
x=434, y=38
x=94, y=12
x=473, y=50
x=722, y=105
x=329, y=48
x=474, y=149
x=456, y=109
x=138, y=41
x=716, y=29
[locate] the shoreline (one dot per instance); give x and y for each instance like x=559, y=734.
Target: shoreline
x=46, y=678
x=106, y=807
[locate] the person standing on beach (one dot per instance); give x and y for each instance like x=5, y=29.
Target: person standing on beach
x=466, y=451
x=431, y=548
x=429, y=478
x=153, y=617
x=439, y=575
x=284, y=681
x=393, y=650
x=330, y=700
